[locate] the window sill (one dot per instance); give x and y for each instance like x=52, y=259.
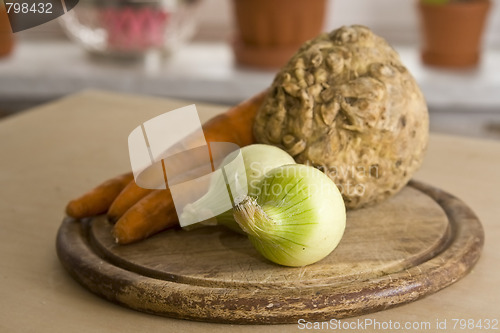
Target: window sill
x=39, y=71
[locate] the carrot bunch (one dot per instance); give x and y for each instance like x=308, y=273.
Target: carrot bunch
x=139, y=213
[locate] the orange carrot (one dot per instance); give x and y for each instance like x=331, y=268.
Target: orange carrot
x=142, y=212
x=98, y=200
x=153, y=213
x=236, y=124
x=156, y=211
x=130, y=195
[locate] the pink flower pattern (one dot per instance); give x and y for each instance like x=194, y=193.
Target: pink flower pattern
x=134, y=29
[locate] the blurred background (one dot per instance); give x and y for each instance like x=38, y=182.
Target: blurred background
x=224, y=51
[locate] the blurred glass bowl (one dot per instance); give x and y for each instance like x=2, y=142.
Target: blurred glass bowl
x=131, y=28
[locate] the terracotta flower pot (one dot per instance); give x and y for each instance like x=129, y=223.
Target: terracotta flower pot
x=6, y=35
x=452, y=33
x=270, y=31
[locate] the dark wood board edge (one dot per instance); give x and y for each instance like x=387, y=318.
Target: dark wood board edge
x=228, y=305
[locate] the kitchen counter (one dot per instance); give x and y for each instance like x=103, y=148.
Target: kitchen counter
x=57, y=151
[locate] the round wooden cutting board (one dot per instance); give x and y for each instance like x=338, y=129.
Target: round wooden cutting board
x=409, y=246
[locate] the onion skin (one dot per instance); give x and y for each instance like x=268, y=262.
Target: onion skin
x=297, y=219
x=258, y=159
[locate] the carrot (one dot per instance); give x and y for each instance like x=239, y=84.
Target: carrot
x=156, y=212
x=153, y=213
x=236, y=124
x=98, y=200
x=130, y=195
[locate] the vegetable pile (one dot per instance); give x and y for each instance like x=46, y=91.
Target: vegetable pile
x=348, y=112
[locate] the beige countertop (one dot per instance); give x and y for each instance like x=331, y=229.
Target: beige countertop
x=55, y=152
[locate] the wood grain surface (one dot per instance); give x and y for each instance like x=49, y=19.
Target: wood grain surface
x=414, y=244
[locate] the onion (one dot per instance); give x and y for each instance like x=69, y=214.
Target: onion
x=293, y=214
x=297, y=218
x=258, y=159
